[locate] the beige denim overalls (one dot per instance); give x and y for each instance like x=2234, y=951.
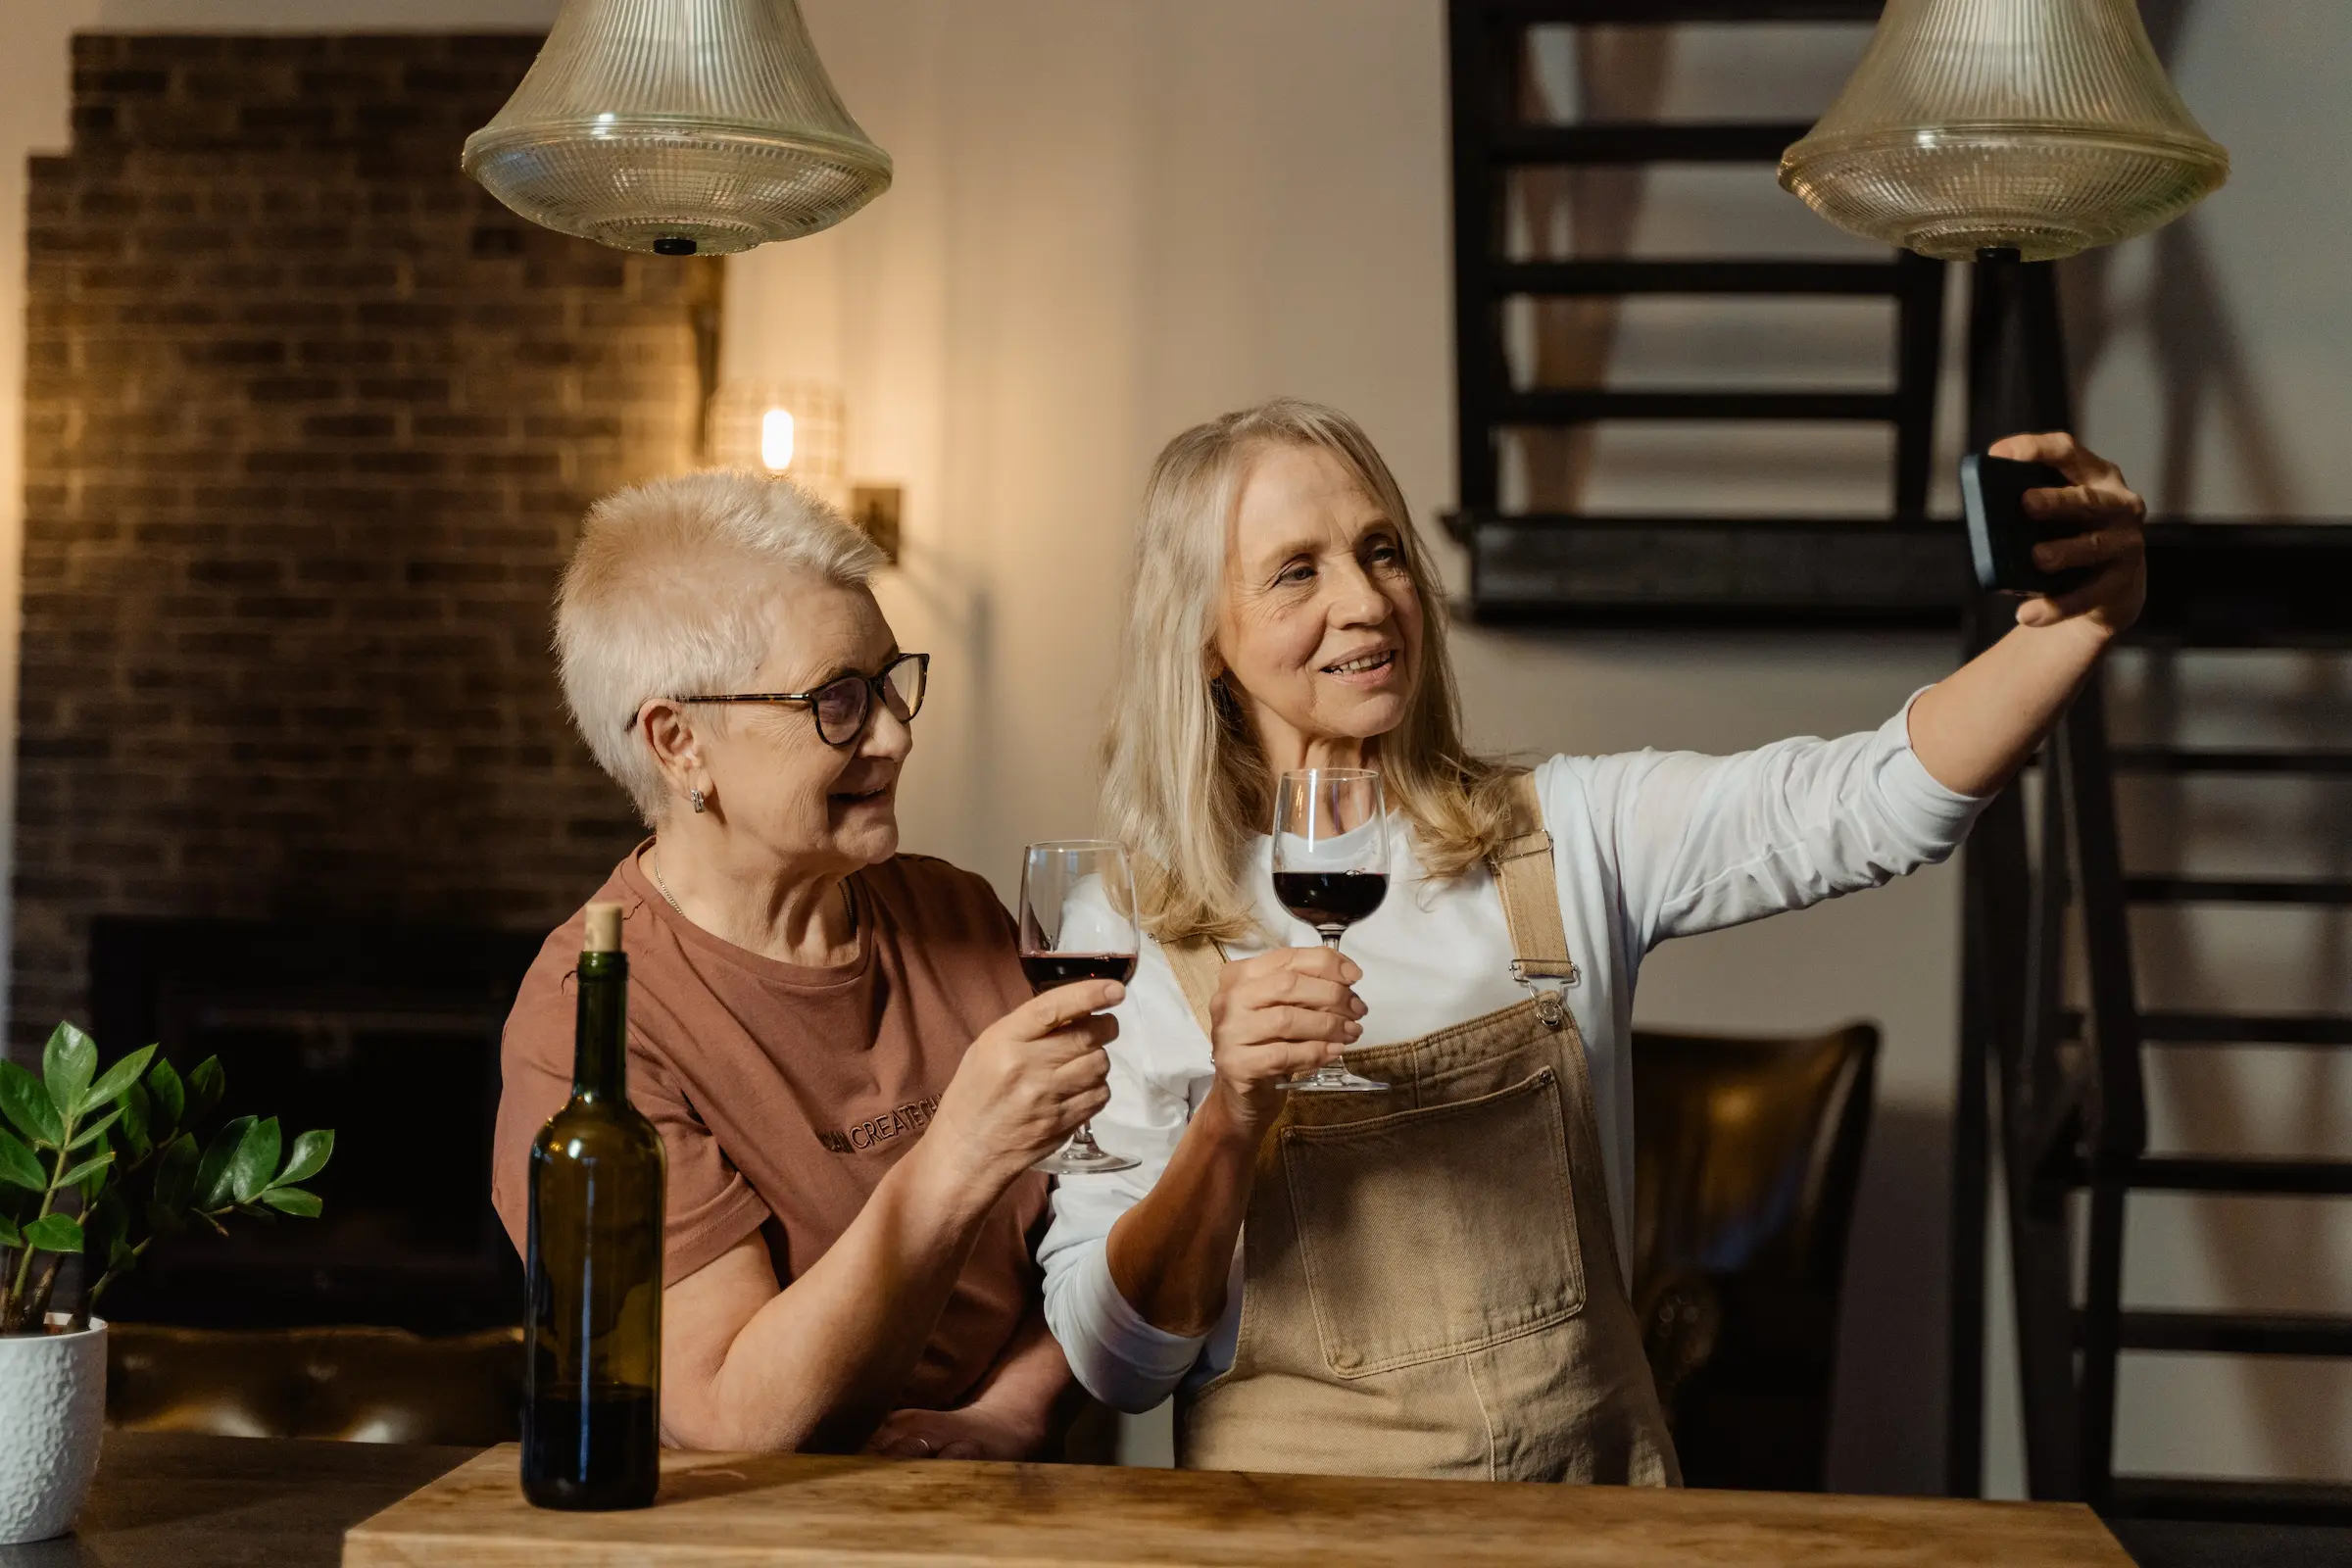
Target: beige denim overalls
x=1430, y=1280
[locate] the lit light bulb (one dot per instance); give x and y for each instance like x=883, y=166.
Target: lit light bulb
x=776, y=439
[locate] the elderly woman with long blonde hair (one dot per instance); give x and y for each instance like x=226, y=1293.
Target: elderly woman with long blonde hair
x=1429, y=1280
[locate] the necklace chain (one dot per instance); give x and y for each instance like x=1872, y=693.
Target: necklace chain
x=654, y=866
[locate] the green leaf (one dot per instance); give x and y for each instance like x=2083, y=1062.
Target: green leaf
x=26, y=1102
x=107, y=1223
x=293, y=1200
x=54, y=1233
x=96, y=1130
x=256, y=1159
x=205, y=1081
x=213, y=1182
x=120, y=1076
x=174, y=1182
x=67, y=1062
x=87, y=1169
x=171, y=1098
x=310, y=1153
x=137, y=1133
x=19, y=1167
x=10, y=1236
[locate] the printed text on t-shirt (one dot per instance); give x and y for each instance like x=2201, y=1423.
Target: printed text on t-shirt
x=911, y=1118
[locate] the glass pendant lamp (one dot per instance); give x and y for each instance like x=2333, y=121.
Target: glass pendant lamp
x=679, y=126
x=2043, y=127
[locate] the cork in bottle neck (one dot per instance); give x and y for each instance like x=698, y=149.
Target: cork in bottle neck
x=604, y=928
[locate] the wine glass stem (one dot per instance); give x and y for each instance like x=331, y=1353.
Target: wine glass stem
x=1331, y=1072
x=1082, y=1141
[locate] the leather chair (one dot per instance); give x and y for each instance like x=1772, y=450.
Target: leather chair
x=366, y=1385
x=1747, y=1154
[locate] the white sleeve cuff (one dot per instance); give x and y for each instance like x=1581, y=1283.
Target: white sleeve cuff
x=1942, y=815
x=1122, y=1360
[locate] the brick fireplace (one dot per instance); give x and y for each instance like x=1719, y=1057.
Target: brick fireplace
x=309, y=422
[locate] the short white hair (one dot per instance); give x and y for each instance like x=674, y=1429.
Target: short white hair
x=672, y=591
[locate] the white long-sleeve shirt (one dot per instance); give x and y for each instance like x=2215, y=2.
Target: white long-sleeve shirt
x=1645, y=846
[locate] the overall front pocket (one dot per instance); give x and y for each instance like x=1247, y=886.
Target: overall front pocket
x=1436, y=1231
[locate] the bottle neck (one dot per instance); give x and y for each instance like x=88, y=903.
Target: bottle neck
x=600, y=1062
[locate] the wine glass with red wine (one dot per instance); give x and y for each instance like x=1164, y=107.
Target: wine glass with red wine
x=1330, y=870
x=1077, y=923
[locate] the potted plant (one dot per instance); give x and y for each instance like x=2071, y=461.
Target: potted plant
x=96, y=1165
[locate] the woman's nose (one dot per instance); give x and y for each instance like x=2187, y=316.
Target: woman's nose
x=1357, y=600
x=886, y=735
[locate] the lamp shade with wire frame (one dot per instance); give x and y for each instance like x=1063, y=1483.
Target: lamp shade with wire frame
x=679, y=126
x=799, y=429
x=2046, y=126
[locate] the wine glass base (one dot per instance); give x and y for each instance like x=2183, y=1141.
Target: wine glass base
x=1341, y=1082
x=1069, y=1162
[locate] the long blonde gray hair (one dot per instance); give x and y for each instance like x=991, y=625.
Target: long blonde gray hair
x=1185, y=783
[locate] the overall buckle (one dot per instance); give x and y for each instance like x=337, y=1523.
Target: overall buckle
x=1551, y=1004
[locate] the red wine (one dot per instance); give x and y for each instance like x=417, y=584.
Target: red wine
x=1046, y=970
x=604, y=1452
x=1330, y=901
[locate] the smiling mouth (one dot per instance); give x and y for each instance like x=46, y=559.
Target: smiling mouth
x=1363, y=664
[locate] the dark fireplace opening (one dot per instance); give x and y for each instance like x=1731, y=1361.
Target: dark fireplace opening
x=387, y=1034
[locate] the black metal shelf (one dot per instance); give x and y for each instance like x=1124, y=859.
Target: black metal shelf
x=1581, y=13
x=2321, y=892
x=2236, y=1333
x=2283, y=1503
x=1647, y=141
x=1566, y=406
x=2262, y=1178
x=1696, y=571
x=2175, y=760
x=2242, y=1029
x=1695, y=276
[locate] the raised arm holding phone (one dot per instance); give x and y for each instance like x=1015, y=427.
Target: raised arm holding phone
x=1428, y=1280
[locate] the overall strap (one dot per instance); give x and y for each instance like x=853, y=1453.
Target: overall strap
x=1531, y=906
x=1197, y=964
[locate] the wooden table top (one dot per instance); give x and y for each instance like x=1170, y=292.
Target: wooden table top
x=757, y=1510
x=174, y=1500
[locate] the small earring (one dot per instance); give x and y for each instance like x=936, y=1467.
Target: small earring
x=694, y=798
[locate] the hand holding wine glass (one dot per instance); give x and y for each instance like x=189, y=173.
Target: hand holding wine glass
x=1275, y=1019
x=1330, y=870
x=1077, y=923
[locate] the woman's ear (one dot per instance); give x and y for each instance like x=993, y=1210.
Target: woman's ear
x=677, y=749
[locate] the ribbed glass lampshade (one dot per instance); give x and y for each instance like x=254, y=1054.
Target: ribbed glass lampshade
x=2043, y=126
x=681, y=126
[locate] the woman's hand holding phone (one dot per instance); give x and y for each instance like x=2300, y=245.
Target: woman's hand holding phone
x=2111, y=542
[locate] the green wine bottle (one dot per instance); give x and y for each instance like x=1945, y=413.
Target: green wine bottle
x=592, y=1411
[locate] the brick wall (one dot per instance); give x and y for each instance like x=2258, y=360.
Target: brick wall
x=309, y=422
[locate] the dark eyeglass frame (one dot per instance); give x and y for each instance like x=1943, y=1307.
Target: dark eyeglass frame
x=876, y=697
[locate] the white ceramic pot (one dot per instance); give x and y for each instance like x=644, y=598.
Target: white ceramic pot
x=52, y=1408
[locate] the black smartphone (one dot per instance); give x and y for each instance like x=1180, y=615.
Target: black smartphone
x=2001, y=536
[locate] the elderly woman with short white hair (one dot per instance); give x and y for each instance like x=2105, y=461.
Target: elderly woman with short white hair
x=1424, y=1277
x=835, y=1039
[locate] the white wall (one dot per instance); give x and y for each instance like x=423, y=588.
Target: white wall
x=1114, y=218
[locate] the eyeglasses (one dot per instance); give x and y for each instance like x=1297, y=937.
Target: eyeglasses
x=841, y=708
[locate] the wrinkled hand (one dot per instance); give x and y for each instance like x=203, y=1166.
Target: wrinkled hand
x=2100, y=503
x=1275, y=1017
x=1028, y=1081
x=974, y=1432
